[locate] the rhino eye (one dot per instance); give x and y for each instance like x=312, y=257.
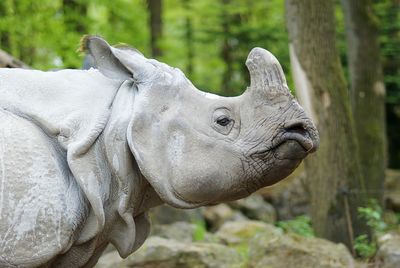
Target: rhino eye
x=224, y=121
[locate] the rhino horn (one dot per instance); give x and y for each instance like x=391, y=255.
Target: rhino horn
x=265, y=71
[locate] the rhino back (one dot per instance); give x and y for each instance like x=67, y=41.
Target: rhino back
x=40, y=204
x=57, y=101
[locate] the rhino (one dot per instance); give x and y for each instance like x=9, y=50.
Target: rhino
x=84, y=154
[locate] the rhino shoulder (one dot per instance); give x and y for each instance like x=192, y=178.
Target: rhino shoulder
x=41, y=207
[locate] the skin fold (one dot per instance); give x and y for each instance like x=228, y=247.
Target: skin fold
x=85, y=153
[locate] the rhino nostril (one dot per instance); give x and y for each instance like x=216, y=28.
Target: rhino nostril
x=296, y=127
x=298, y=130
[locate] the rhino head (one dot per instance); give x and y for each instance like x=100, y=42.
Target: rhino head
x=197, y=148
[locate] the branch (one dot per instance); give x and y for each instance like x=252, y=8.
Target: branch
x=8, y=61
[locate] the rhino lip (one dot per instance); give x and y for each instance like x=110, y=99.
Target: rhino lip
x=301, y=132
x=303, y=140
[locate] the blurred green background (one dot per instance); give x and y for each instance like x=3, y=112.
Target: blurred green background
x=45, y=34
x=219, y=34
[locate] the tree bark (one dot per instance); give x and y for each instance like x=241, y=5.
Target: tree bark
x=75, y=12
x=189, y=38
x=8, y=36
x=334, y=181
x=4, y=35
x=391, y=68
x=226, y=50
x=368, y=92
x=75, y=23
x=155, y=24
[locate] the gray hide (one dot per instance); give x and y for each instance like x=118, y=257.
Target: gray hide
x=84, y=154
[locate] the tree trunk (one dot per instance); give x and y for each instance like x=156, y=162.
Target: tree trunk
x=75, y=22
x=4, y=35
x=226, y=50
x=155, y=23
x=189, y=37
x=389, y=13
x=75, y=14
x=8, y=36
x=368, y=92
x=333, y=173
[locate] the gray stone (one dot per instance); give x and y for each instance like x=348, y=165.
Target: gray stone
x=217, y=215
x=254, y=207
x=234, y=233
x=158, y=252
x=111, y=260
x=84, y=154
x=289, y=197
x=388, y=255
x=165, y=214
x=109, y=248
x=286, y=251
x=180, y=231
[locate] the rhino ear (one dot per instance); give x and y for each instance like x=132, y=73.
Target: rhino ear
x=117, y=63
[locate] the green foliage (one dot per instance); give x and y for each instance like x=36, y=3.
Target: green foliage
x=120, y=21
x=25, y=28
x=45, y=34
x=300, y=225
x=373, y=215
x=200, y=230
x=364, y=248
x=249, y=24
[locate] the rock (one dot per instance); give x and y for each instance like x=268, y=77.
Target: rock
x=290, y=250
x=166, y=215
x=388, y=255
x=359, y=264
x=110, y=260
x=180, y=231
x=217, y=215
x=251, y=244
x=392, y=189
x=183, y=232
x=159, y=252
x=233, y=233
x=109, y=248
x=289, y=197
x=391, y=218
x=254, y=207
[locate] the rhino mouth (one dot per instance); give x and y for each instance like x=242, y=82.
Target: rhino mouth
x=297, y=140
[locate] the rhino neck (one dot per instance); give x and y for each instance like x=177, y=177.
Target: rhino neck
x=130, y=196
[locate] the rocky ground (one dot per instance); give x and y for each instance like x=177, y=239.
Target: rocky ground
x=244, y=233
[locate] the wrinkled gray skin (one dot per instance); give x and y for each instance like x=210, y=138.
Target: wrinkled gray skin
x=84, y=154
